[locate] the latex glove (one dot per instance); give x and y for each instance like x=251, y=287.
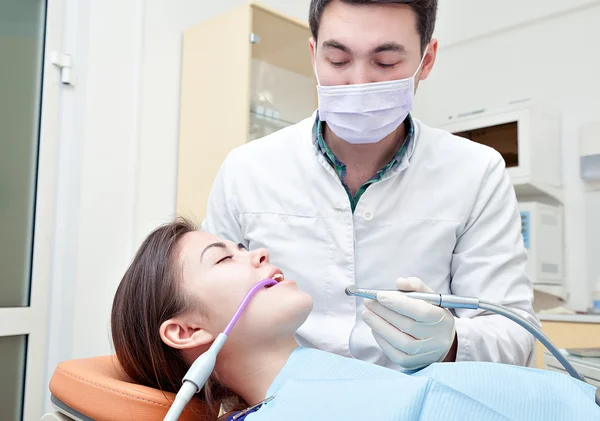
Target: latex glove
x=412, y=333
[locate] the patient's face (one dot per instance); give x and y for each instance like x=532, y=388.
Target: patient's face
x=218, y=274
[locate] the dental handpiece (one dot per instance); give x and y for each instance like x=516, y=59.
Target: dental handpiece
x=440, y=300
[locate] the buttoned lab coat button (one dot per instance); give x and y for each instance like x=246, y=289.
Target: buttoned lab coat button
x=368, y=215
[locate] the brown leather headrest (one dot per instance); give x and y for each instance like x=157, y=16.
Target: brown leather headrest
x=97, y=388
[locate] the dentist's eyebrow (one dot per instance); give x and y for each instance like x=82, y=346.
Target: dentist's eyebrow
x=219, y=244
x=389, y=46
x=335, y=45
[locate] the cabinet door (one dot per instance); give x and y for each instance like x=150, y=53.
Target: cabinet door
x=214, y=103
x=283, y=84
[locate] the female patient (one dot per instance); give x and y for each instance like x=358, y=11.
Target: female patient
x=183, y=287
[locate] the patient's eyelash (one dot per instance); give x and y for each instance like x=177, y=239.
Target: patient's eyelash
x=225, y=258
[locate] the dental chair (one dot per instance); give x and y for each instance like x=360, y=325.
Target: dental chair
x=96, y=389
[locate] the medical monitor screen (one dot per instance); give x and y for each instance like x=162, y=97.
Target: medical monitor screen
x=503, y=138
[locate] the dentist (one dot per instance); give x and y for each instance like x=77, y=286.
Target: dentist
x=363, y=193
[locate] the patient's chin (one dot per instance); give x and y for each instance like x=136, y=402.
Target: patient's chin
x=296, y=312
x=274, y=318
x=270, y=316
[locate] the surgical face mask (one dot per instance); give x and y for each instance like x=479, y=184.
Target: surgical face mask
x=368, y=112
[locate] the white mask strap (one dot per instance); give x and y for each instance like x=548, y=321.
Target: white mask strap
x=422, y=60
x=315, y=66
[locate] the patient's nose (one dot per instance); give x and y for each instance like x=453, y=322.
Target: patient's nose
x=260, y=256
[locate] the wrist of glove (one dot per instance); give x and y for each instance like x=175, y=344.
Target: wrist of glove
x=412, y=333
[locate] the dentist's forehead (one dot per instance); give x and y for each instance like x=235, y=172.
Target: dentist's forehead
x=368, y=26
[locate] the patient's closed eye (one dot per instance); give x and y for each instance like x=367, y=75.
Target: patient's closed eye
x=224, y=259
x=240, y=247
x=223, y=246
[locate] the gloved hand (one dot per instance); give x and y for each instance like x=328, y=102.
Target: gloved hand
x=412, y=333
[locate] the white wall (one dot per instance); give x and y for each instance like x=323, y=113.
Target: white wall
x=118, y=153
x=539, y=49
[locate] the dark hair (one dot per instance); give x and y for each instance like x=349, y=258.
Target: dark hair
x=148, y=295
x=425, y=11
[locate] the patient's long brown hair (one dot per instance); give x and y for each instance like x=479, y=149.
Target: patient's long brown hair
x=148, y=295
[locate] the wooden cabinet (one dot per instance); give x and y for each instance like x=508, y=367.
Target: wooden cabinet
x=569, y=332
x=245, y=74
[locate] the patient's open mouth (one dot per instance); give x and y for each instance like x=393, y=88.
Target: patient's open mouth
x=277, y=277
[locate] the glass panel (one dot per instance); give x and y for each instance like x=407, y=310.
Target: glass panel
x=13, y=351
x=503, y=137
x=21, y=48
x=283, y=86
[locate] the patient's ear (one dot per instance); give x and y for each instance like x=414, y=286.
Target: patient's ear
x=180, y=334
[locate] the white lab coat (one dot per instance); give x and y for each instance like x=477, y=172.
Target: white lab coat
x=447, y=215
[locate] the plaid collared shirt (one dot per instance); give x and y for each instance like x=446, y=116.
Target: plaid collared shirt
x=340, y=167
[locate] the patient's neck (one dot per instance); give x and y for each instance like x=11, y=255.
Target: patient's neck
x=249, y=372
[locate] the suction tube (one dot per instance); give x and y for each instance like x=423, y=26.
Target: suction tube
x=201, y=369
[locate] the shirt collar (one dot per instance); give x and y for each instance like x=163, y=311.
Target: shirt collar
x=321, y=145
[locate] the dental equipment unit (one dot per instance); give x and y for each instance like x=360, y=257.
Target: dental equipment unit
x=449, y=301
x=201, y=369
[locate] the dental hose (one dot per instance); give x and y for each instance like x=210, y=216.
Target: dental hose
x=471, y=303
x=201, y=369
x=539, y=335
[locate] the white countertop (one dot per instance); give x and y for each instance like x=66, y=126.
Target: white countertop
x=573, y=318
x=578, y=362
